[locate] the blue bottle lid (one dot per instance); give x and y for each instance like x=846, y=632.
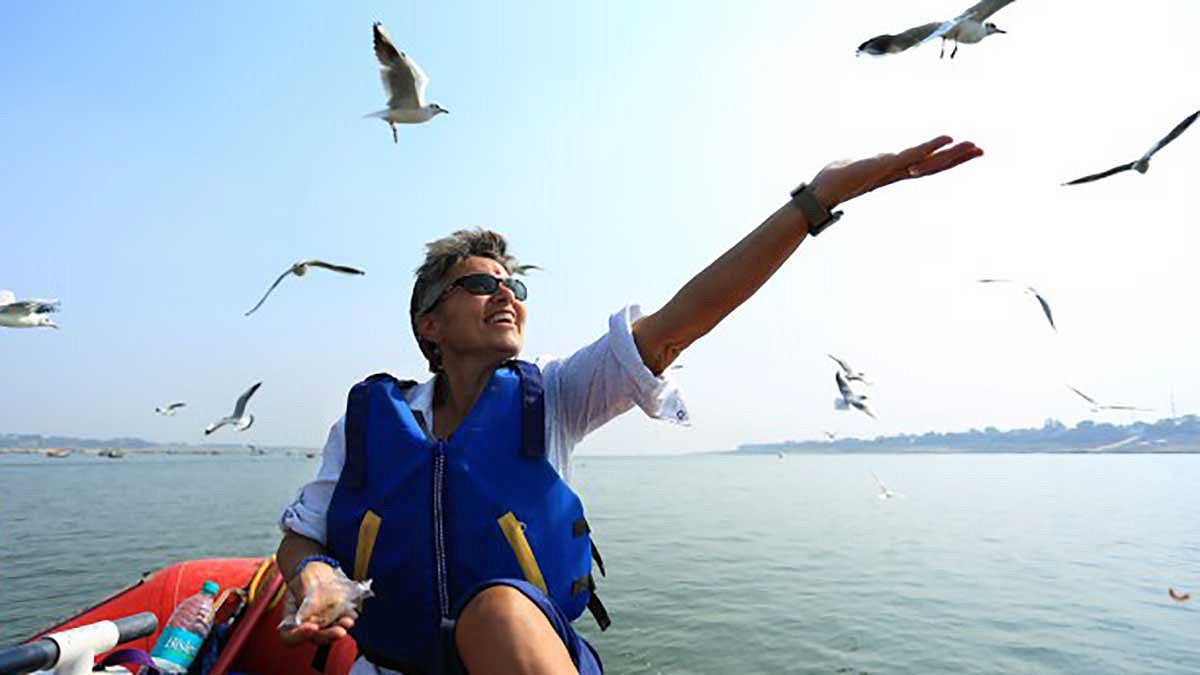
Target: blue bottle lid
x=210, y=588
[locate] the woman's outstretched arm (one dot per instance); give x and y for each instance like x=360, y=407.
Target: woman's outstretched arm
x=732, y=278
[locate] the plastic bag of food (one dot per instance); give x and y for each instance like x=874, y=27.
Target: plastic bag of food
x=324, y=603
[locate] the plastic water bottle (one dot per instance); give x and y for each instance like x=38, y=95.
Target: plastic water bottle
x=185, y=631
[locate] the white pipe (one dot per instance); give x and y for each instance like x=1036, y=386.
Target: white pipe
x=78, y=647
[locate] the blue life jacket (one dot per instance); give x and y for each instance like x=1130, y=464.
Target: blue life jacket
x=427, y=520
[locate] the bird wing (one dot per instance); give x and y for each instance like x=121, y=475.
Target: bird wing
x=240, y=408
x=841, y=364
x=892, y=44
x=24, y=307
x=1045, y=308
x=994, y=281
x=982, y=10
x=265, y=295
x=522, y=270
x=1082, y=395
x=882, y=487
x=1179, y=129
x=857, y=403
x=215, y=425
x=7, y=297
x=1131, y=408
x=173, y=406
x=330, y=266
x=403, y=80
x=1102, y=174
x=843, y=386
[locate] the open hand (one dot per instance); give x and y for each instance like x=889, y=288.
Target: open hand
x=311, y=632
x=842, y=181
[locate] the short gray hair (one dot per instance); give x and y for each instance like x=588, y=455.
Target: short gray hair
x=441, y=255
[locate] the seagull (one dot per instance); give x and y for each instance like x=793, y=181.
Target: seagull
x=169, y=410
x=849, y=398
x=300, y=269
x=26, y=313
x=1097, y=407
x=240, y=418
x=404, y=82
x=1142, y=164
x=968, y=27
x=1028, y=289
x=830, y=435
x=851, y=374
x=884, y=491
x=522, y=270
x=1179, y=596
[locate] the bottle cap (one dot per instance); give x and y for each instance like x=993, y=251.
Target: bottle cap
x=210, y=588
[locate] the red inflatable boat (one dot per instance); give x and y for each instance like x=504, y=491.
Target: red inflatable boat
x=250, y=604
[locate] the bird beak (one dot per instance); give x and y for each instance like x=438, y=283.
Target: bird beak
x=998, y=30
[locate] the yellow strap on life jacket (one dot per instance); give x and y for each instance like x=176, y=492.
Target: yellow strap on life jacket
x=514, y=532
x=367, y=531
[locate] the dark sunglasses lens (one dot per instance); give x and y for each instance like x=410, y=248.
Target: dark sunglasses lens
x=518, y=288
x=480, y=284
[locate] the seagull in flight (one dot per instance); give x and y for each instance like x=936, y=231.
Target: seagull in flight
x=849, y=398
x=851, y=374
x=240, y=419
x=830, y=435
x=970, y=27
x=1097, y=407
x=169, y=410
x=404, y=82
x=1033, y=291
x=300, y=269
x=26, y=313
x=1142, y=164
x=884, y=491
x=1178, y=596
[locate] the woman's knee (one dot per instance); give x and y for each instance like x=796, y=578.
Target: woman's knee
x=498, y=605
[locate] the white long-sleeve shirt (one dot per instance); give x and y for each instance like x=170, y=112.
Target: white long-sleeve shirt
x=583, y=391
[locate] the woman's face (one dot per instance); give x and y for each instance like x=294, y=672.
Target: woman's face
x=473, y=326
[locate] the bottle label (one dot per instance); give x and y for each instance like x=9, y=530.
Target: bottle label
x=177, y=645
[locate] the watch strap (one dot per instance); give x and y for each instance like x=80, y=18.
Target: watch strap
x=818, y=216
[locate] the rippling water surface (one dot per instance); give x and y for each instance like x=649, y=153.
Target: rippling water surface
x=724, y=564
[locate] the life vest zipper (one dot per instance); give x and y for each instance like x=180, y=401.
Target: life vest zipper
x=439, y=527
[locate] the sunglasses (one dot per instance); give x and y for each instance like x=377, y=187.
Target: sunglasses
x=482, y=284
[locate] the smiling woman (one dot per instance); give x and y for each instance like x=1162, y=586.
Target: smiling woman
x=478, y=458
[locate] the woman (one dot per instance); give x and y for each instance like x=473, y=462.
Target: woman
x=463, y=585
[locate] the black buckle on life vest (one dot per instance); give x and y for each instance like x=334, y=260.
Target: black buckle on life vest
x=579, y=528
x=599, y=613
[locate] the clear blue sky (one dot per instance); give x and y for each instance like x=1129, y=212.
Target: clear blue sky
x=163, y=163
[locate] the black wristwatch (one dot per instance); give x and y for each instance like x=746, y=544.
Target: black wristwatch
x=818, y=216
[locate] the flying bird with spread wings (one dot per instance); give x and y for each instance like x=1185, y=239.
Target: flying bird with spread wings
x=849, y=399
x=404, y=83
x=1097, y=406
x=1142, y=164
x=169, y=409
x=300, y=269
x=970, y=27
x=851, y=374
x=240, y=419
x=26, y=313
x=1032, y=291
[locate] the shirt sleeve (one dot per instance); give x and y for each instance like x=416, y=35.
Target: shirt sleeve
x=306, y=514
x=607, y=378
